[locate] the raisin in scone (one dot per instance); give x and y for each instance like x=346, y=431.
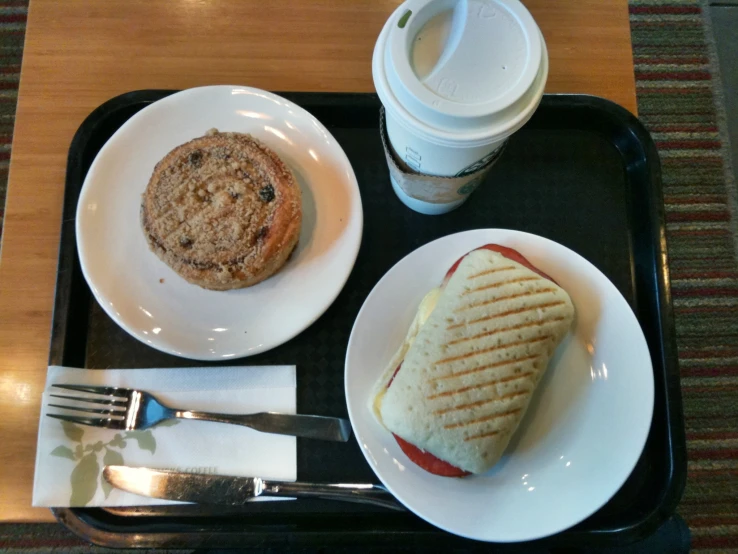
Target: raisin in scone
x=222, y=210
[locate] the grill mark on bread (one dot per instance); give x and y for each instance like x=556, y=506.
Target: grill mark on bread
x=480, y=402
x=489, y=271
x=493, y=348
x=481, y=436
x=481, y=386
x=507, y=329
x=483, y=419
x=484, y=368
x=507, y=313
x=500, y=284
x=501, y=298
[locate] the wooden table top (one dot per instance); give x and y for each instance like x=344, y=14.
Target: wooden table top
x=79, y=53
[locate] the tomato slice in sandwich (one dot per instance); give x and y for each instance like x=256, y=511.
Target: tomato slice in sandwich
x=509, y=253
x=426, y=460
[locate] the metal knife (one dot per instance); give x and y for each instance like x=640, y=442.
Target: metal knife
x=235, y=491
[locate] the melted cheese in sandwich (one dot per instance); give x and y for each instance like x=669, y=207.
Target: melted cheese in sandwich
x=427, y=305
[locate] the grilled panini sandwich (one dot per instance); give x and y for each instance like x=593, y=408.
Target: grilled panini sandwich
x=457, y=389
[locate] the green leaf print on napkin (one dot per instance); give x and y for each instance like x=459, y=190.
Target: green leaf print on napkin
x=87, y=473
x=84, y=480
x=63, y=452
x=111, y=458
x=145, y=439
x=72, y=431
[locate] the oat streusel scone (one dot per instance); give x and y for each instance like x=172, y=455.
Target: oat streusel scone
x=222, y=210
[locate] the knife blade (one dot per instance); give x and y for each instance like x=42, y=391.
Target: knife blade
x=236, y=491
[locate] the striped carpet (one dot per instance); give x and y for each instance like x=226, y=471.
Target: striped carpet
x=13, y=15
x=676, y=101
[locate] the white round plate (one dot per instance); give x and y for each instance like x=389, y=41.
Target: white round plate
x=586, y=425
x=146, y=298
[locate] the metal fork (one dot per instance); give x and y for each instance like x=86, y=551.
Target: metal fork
x=134, y=410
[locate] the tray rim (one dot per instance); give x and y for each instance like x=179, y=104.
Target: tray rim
x=77, y=519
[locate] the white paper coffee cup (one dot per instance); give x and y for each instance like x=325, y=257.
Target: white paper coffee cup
x=456, y=78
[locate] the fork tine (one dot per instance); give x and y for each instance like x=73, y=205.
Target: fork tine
x=109, y=391
x=88, y=400
x=92, y=422
x=108, y=411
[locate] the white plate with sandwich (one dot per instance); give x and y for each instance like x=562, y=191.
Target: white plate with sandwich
x=499, y=398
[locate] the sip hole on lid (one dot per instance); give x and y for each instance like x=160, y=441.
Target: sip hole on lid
x=461, y=70
x=465, y=58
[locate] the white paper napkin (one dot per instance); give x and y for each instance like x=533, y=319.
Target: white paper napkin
x=70, y=457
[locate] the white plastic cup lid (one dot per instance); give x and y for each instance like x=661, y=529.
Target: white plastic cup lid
x=463, y=66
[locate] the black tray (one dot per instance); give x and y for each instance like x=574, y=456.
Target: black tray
x=583, y=172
